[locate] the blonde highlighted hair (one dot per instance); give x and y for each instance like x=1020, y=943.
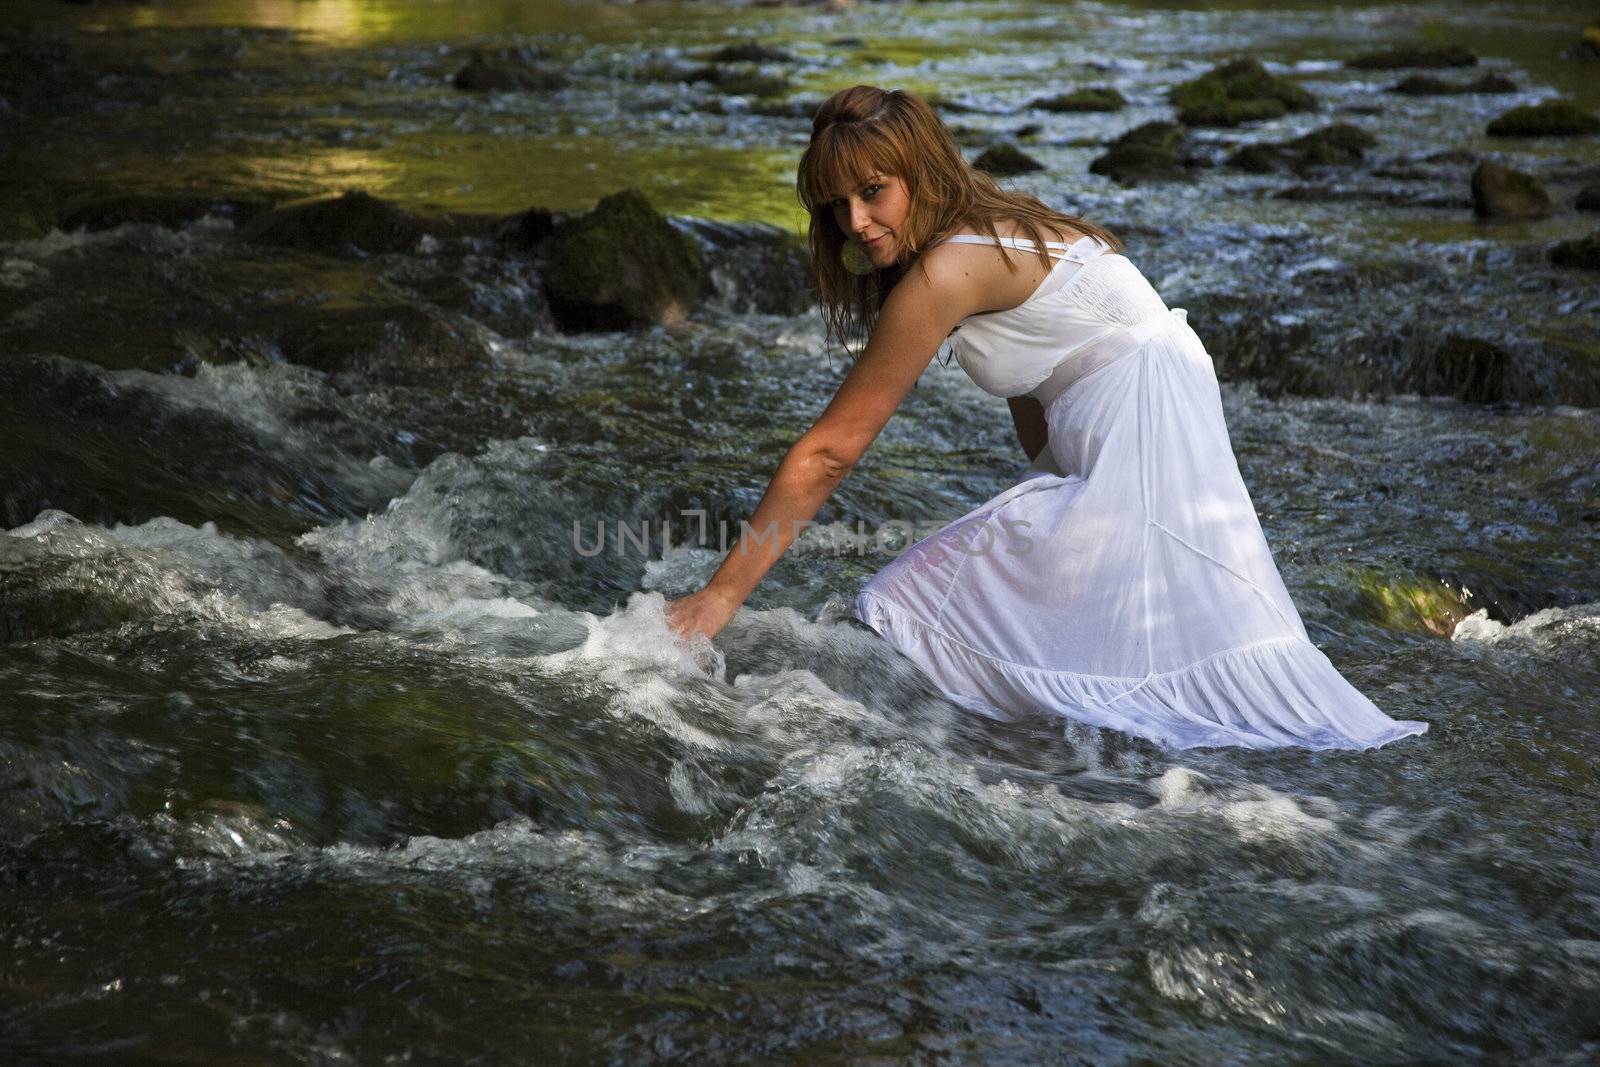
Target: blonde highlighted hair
x=862, y=131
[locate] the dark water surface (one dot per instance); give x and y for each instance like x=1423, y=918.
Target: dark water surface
x=322, y=742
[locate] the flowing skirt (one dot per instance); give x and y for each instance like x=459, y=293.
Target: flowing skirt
x=1125, y=582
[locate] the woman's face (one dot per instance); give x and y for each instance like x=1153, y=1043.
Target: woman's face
x=874, y=213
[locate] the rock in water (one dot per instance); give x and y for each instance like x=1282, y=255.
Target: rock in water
x=1237, y=92
x=752, y=266
x=1463, y=367
x=173, y=211
x=1338, y=145
x=1428, y=85
x=1584, y=253
x=498, y=74
x=1447, y=56
x=1588, y=198
x=1144, y=153
x=1098, y=99
x=1498, y=192
x=621, y=265
x=1553, y=118
x=355, y=222
x=1004, y=160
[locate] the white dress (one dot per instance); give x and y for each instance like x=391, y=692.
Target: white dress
x=1125, y=582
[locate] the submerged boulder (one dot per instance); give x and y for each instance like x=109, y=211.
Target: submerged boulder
x=1340, y=144
x=620, y=265
x=1094, y=99
x=1237, y=92
x=1148, y=153
x=487, y=73
x=752, y=266
x=751, y=52
x=1428, y=85
x=1553, y=118
x=1498, y=192
x=171, y=211
x=1583, y=254
x=1466, y=368
x=1004, y=160
x=354, y=222
x=743, y=80
x=1399, y=58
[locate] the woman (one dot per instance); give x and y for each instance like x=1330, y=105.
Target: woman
x=1125, y=582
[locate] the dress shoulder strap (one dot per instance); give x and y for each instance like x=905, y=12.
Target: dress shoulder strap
x=1082, y=249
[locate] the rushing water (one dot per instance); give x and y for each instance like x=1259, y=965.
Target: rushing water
x=323, y=740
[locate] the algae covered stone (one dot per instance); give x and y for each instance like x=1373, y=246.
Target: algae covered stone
x=490, y=73
x=1499, y=192
x=1144, y=153
x=1340, y=144
x=1237, y=92
x=1467, y=368
x=1583, y=254
x=1097, y=99
x=1399, y=58
x=1588, y=198
x=1004, y=160
x=622, y=264
x=1553, y=118
x=355, y=222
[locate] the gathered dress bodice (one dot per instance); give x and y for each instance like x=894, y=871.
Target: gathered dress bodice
x=1090, y=298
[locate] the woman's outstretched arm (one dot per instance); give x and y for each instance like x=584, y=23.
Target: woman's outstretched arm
x=916, y=317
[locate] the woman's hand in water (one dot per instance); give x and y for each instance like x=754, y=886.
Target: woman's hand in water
x=705, y=612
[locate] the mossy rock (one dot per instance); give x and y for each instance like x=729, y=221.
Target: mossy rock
x=491, y=74
x=1237, y=92
x=1466, y=368
x=1582, y=254
x=355, y=222
x=622, y=264
x=170, y=211
x=401, y=341
x=1553, y=118
x=1096, y=99
x=1004, y=160
x=739, y=80
x=1145, y=153
x=1498, y=192
x=751, y=52
x=1588, y=198
x=1428, y=85
x=1338, y=145
x=1400, y=58
x=1410, y=603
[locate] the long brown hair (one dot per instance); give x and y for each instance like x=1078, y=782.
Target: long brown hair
x=863, y=130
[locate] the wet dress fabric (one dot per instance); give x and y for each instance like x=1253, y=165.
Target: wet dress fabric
x=1125, y=581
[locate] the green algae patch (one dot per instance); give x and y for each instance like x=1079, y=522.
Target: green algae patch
x=1145, y=153
x=621, y=265
x=1409, y=603
x=1553, y=118
x=1004, y=160
x=1237, y=92
x=1096, y=99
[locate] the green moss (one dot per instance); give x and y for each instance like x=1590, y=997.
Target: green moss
x=1553, y=118
x=1408, y=602
x=620, y=265
x=1097, y=99
x=1447, y=56
x=1005, y=159
x=1144, y=153
x=1340, y=144
x=1428, y=85
x=1237, y=92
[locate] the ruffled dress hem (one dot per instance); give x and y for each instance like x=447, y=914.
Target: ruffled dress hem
x=1269, y=694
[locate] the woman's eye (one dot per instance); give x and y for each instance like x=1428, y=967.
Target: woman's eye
x=872, y=190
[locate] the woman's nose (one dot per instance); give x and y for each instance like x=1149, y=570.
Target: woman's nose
x=858, y=216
